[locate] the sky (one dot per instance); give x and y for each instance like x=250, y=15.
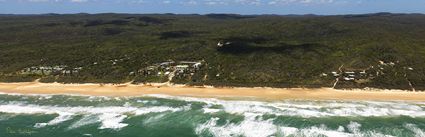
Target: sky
x=282, y=7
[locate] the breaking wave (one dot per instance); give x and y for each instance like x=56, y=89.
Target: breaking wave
x=306, y=108
x=109, y=117
x=222, y=118
x=260, y=128
x=254, y=125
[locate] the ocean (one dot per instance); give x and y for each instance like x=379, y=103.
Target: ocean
x=171, y=116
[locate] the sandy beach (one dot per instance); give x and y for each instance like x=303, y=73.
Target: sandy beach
x=233, y=93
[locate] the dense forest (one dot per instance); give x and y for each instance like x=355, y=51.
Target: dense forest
x=260, y=50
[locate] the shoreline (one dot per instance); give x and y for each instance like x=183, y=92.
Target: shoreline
x=257, y=93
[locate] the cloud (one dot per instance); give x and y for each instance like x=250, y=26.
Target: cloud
x=79, y=1
x=216, y=2
x=189, y=2
x=197, y=2
x=263, y=2
x=38, y=0
x=73, y=1
x=166, y=2
x=285, y=2
x=249, y=2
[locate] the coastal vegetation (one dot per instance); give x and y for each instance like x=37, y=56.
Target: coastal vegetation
x=381, y=50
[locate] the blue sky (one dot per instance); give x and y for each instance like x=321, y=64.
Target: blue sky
x=323, y=7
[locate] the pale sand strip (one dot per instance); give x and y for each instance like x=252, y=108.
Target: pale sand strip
x=179, y=90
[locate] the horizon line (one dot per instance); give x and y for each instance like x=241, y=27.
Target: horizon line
x=212, y=13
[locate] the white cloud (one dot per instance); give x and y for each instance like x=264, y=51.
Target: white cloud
x=73, y=1
x=249, y=2
x=166, y=2
x=138, y=2
x=262, y=2
x=79, y=1
x=189, y=2
x=200, y=2
x=38, y=0
x=284, y=2
x=216, y=2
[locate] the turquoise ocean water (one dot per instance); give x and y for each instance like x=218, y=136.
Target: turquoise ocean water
x=168, y=116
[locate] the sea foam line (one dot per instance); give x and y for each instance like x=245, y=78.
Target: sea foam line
x=252, y=127
x=109, y=117
x=307, y=108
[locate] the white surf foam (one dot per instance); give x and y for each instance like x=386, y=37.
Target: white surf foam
x=254, y=127
x=247, y=128
x=305, y=108
x=418, y=132
x=86, y=120
x=109, y=117
x=153, y=119
x=210, y=110
x=61, y=118
x=112, y=121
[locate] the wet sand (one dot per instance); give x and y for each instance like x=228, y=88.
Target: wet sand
x=208, y=92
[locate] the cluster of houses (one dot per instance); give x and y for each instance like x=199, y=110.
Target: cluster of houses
x=359, y=74
x=50, y=70
x=180, y=68
x=349, y=75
